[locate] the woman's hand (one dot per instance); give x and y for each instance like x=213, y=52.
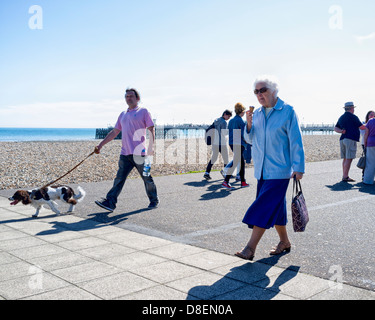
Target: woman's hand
x=298, y=175
x=249, y=119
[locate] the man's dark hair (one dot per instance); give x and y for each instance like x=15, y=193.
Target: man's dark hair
x=135, y=92
x=227, y=112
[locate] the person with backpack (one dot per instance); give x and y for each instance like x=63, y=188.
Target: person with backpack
x=216, y=133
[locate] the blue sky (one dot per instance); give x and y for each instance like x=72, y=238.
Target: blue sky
x=190, y=60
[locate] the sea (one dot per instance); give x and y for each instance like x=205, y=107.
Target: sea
x=46, y=134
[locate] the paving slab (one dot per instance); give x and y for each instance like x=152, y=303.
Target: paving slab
x=184, y=250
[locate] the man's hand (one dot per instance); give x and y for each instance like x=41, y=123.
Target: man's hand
x=150, y=152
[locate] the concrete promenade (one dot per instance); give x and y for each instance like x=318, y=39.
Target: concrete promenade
x=184, y=249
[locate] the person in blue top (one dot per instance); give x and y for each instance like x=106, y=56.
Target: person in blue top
x=219, y=144
x=349, y=126
x=278, y=155
x=238, y=145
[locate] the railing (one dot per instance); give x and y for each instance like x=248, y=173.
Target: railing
x=102, y=133
x=324, y=128
x=165, y=132
x=198, y=131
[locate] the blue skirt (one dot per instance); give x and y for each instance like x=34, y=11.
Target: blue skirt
x=269, y=207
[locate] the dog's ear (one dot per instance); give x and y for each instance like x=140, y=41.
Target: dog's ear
x=26, y=198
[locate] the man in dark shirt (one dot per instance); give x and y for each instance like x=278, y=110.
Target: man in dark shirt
x=348, y=125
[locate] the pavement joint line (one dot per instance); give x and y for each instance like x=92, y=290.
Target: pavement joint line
x=339, y=203
x=187, y=238
x=204, y=232
x=154, y=233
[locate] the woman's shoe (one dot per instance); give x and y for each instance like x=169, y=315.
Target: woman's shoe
x=246, y=254
x=281, y=248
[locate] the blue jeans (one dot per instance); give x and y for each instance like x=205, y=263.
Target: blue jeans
x=126, y=165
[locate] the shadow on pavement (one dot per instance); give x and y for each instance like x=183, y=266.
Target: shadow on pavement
x=246, y=282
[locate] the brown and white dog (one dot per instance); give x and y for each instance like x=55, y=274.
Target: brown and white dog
x=47, y=196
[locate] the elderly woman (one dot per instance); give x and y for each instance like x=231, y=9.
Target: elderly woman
x=278, y=156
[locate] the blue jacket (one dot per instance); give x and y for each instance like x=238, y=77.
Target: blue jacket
x=277, y=143
x=236, y=129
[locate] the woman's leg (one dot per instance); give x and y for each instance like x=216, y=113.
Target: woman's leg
x=256, y=235
x=229, y=168
x=283, y=234
x=284, y=244
x=249, y=251
x=242, y=169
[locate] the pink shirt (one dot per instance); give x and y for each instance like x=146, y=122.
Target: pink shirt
x=133, y=124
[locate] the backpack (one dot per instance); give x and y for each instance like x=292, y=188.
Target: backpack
x=208, y=135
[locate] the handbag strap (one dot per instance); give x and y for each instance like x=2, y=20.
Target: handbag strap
x=296, y=187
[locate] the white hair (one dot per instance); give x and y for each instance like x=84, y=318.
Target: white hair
x=271, y=83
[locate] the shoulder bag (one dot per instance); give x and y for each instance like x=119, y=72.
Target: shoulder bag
x=362, y=161
x=300, y=214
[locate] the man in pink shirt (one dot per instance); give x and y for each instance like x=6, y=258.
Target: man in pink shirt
x=133, y=124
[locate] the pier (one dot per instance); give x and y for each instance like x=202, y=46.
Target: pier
x=314, y=128
x=101, y=133
x=166, y=132
x=182, y=131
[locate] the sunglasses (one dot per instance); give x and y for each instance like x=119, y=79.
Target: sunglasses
x=261, y=90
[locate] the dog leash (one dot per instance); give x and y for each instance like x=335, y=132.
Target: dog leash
x=53, y=182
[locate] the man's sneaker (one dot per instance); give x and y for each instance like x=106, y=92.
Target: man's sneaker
x=226, y=185
x=104, y=204
x=244, y=184
x=153, y=205
x=207, y=176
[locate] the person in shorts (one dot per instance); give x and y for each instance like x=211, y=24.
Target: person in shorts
x=349, y=126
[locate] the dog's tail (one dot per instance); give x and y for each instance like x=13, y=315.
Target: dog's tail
x=80, y=196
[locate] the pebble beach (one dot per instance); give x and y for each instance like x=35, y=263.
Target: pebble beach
x=34, y=164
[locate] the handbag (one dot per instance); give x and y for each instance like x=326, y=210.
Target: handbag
x=300, y=214
x=362, y=161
